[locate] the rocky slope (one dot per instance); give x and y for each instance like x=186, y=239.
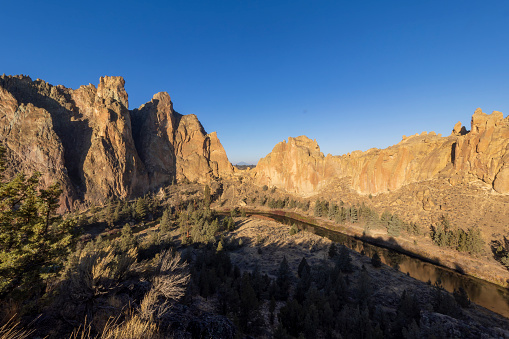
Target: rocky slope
x=89, y=140
x=464, y=176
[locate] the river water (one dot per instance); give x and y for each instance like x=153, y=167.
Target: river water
x=481, y=292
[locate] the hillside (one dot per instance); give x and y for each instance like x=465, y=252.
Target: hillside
x=463, y=176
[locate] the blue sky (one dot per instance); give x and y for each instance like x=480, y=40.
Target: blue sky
x=350, y=74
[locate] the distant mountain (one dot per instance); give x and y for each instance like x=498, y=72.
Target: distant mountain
x=243, y=163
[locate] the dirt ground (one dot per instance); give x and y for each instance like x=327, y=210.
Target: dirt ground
x=266, y=242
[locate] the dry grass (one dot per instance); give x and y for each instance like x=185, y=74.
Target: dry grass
x=98, y=274
x=132, y=328
x=169, y=283
x=11, y=330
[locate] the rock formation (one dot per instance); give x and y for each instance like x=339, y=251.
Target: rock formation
x=297, y=166
x=88, y=140
x=160, y=131
x=481, y=154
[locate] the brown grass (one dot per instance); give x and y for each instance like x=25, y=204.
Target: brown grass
x=132, y=328
x=11, y=330
x=170, y=282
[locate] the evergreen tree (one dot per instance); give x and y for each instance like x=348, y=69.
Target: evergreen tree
x=126, y=210
x=354, y=215
x=303, y=266
x=117, y=214
x=141, y=208
x=344, y=261
x=93, y=215
x=318, y=208
x=408, y=310
x=33, y=239
x=364, y=285
x=165, y=221
x=462, y=241
x=127, y=238
x=291, y=317
x=475, y=242
x=109, y=214
x=206, y=196
x=283, y=280
x=333, y=210
x=385, y=218
x=376, y=261
x=212, y=229
x=332, y=250
x=248, y=301
x=220, y=246
x=461, y=297
x=394, y=226
x=272, y=308
x=230, y=224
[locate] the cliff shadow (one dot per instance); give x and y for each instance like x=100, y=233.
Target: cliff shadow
x=69, y=124
x=148, y=134
x=453, y=152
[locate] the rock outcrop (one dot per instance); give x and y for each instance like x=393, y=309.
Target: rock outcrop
x=484, y=152
x=176, y=146
x=88, y=140
x=481, y=154
x=298, y=166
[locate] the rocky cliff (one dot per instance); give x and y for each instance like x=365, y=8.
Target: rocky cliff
x=479, y=154
x=88, y=140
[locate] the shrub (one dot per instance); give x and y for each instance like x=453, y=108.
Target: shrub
x=170, y=281
x=376, y=261
x=294, y=230
x=461, y=297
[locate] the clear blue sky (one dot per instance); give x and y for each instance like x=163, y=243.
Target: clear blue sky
x=350, y=74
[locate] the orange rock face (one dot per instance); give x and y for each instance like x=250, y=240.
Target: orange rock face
x=297, y=166
x=172, y=145
x=481, y=154
x=89, y=141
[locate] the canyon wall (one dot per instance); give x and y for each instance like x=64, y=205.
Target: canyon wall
x=479, y=154
x=88, y=140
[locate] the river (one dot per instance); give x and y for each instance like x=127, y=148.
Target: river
x=481, y=292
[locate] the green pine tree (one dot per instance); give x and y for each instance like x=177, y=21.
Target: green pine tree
x=206, y=196
x=141, y=208
x=376, y=261
x=127, y=238
x=109, y=214
x=283, y=280
x=33, y=238
x=165, y=221
x=117, y=214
